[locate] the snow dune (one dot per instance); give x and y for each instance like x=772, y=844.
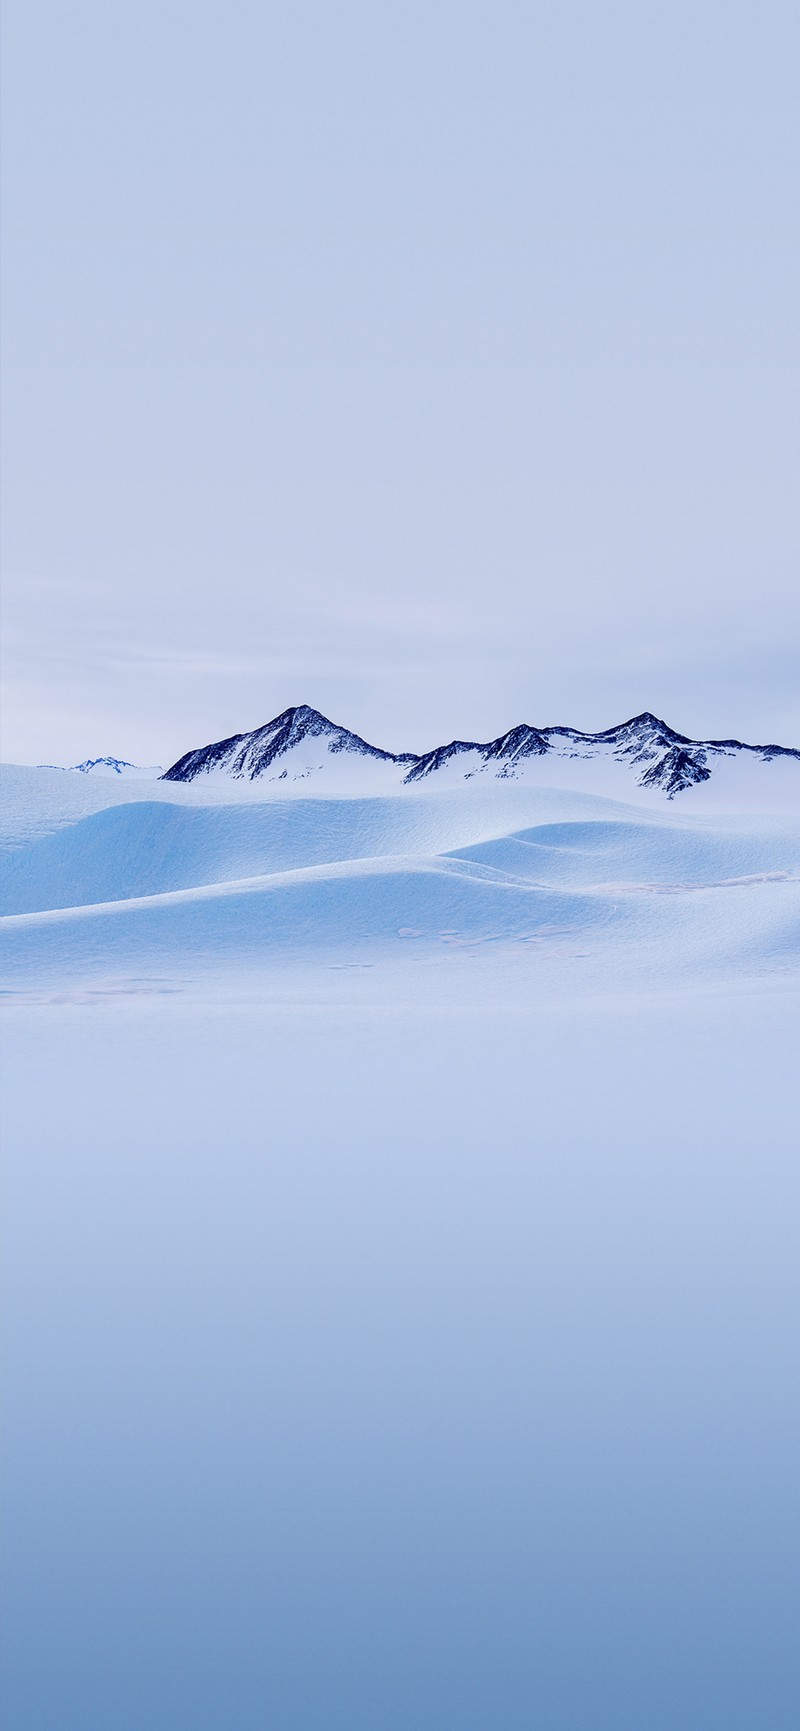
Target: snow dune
x=40, y=802
x=165, y=883
x=151, y=848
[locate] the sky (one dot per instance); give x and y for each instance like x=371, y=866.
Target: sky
x=435, y=365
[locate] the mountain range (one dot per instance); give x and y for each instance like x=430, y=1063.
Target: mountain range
x=301, y=744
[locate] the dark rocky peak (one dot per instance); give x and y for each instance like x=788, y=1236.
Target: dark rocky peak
x=645, y=728
x=432, y=760
x=676, y=770
x=116, y=764
x=300, y=722
x=511, y=747
x=204, y=759
x=519, y=742
x=245, y=756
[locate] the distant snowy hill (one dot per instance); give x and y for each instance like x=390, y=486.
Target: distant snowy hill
x=106, y=766
x=641, y=758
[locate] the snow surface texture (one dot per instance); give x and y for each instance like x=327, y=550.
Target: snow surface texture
x=575, y=892
x=641, y=759
x=401, y=1274
x=393, y=1367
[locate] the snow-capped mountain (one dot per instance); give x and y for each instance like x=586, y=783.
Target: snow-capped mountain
x=640, y=758
x=295, y=746
x=105, y=766
x=659, y=757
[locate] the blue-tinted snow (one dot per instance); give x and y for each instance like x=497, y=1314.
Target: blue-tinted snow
x=401, y=1275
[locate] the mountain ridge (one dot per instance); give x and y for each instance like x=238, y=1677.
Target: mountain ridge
x=287, y=748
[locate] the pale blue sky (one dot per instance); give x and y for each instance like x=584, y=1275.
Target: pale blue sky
x=434, y=364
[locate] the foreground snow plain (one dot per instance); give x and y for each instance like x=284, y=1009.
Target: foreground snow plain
x=402, y=1205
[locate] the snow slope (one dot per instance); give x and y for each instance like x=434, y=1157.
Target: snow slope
x=400, y=1365
x=108, y=766
x=150, y=847
x=401, y=1272
x=156, y=885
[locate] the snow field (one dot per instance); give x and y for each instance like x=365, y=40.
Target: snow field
x=377, y=1367
x=401, y=1203
x=164, y=884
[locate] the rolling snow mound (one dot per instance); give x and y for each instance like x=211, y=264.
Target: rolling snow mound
x=151, y=849
x=586, y=889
